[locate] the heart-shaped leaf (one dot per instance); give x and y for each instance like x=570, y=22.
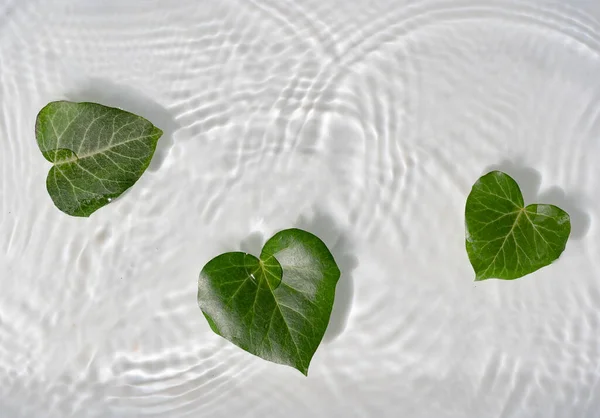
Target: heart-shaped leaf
x=276, y=306
x=505, y=239
x=98, y=152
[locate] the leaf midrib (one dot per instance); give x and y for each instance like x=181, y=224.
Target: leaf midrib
x=98, y=151
x=280, y=311
x=516, y=221
x=522, y=210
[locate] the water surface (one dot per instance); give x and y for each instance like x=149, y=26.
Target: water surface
x=364, y=122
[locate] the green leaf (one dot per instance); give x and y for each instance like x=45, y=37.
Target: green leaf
x=276, y=306
x=98, y=152
x=506, y=239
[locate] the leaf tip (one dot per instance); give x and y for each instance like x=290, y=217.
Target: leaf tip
x=158, y=132
x=302, y=369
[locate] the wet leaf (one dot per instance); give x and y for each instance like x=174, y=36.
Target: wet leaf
x=276, y=306
x=504, y=238
x=98, y=152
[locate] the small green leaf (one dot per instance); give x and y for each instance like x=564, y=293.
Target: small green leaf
x=505, y=239
x=98, y=152
x=276, y=306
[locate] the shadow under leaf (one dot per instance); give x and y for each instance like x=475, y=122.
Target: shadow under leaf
x=529, y=181
x=126, y=98
x=339, y=244
x=337, y=240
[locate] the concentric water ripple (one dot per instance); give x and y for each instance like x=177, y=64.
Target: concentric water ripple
x=365, y=122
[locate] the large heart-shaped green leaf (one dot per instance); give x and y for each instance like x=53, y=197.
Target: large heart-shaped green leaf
x=98, y=152
x=505, y=239
x=276, y=306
